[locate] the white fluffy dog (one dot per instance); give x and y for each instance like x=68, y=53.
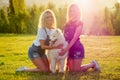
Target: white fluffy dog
x=57, y=38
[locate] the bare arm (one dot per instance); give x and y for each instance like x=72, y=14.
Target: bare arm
x=76, y=36
x=43, y=46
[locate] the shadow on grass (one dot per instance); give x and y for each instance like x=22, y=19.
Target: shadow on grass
x=90, y=75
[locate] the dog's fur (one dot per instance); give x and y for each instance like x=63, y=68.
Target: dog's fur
x=57, y=38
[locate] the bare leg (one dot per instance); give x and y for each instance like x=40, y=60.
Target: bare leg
x=79, y=67
x=85, y=67
x=40, y=66
x=45, y=60
x=32, y=70
x=71, y=65
x=75, y=65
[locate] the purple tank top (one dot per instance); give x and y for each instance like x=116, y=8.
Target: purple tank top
x=70, y=29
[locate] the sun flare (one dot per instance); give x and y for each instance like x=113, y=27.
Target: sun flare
x=85, y=4
x=118, y=1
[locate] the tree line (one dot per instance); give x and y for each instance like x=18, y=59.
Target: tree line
x=112, y=19
x=19, y=19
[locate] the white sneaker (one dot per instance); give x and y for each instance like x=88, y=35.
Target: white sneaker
x=21, y=69
x=96, y=67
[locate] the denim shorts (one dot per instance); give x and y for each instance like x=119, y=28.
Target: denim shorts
x=36, y=52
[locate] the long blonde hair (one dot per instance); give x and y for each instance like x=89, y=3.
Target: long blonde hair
x=42, y=19
x=68, y=10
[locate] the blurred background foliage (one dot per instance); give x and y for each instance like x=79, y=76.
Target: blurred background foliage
x=19, y=19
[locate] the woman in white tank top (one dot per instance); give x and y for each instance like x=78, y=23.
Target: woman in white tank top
x=36, y=52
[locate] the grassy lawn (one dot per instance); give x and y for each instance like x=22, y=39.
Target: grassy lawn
x=105, y=49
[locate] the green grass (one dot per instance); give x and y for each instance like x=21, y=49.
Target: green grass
x=105, y=49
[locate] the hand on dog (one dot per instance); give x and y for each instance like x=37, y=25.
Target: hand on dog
x=60, y=46
x=63, y=51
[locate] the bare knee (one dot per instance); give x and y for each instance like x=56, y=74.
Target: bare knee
x=43, y=68
x=40, y=65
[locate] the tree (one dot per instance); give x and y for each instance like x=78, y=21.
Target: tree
x=33, y=20
x=19, y=19
x=4, y=23
x=61, y=16
x=112, y=19
x=116, y=16
x=108, y=22
x=51, y=6
x=17, y=16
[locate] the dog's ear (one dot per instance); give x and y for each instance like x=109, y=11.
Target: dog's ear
x=58, y=30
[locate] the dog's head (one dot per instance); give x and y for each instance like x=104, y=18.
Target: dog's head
x=54, y=34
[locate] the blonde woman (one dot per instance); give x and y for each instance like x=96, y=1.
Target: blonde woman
x=36, y=52
x=72, y=32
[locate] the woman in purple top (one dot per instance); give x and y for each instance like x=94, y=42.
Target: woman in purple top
x=72, y=32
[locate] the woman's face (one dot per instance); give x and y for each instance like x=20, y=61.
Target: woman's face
x=74, y=13
x=49, y=19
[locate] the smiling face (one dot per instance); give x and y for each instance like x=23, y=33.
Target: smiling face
x=49, y=20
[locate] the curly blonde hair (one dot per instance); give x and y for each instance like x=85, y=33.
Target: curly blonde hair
x=42, y=19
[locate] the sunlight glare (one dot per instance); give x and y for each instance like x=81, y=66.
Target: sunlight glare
x=85, y=4
x=118, y=1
